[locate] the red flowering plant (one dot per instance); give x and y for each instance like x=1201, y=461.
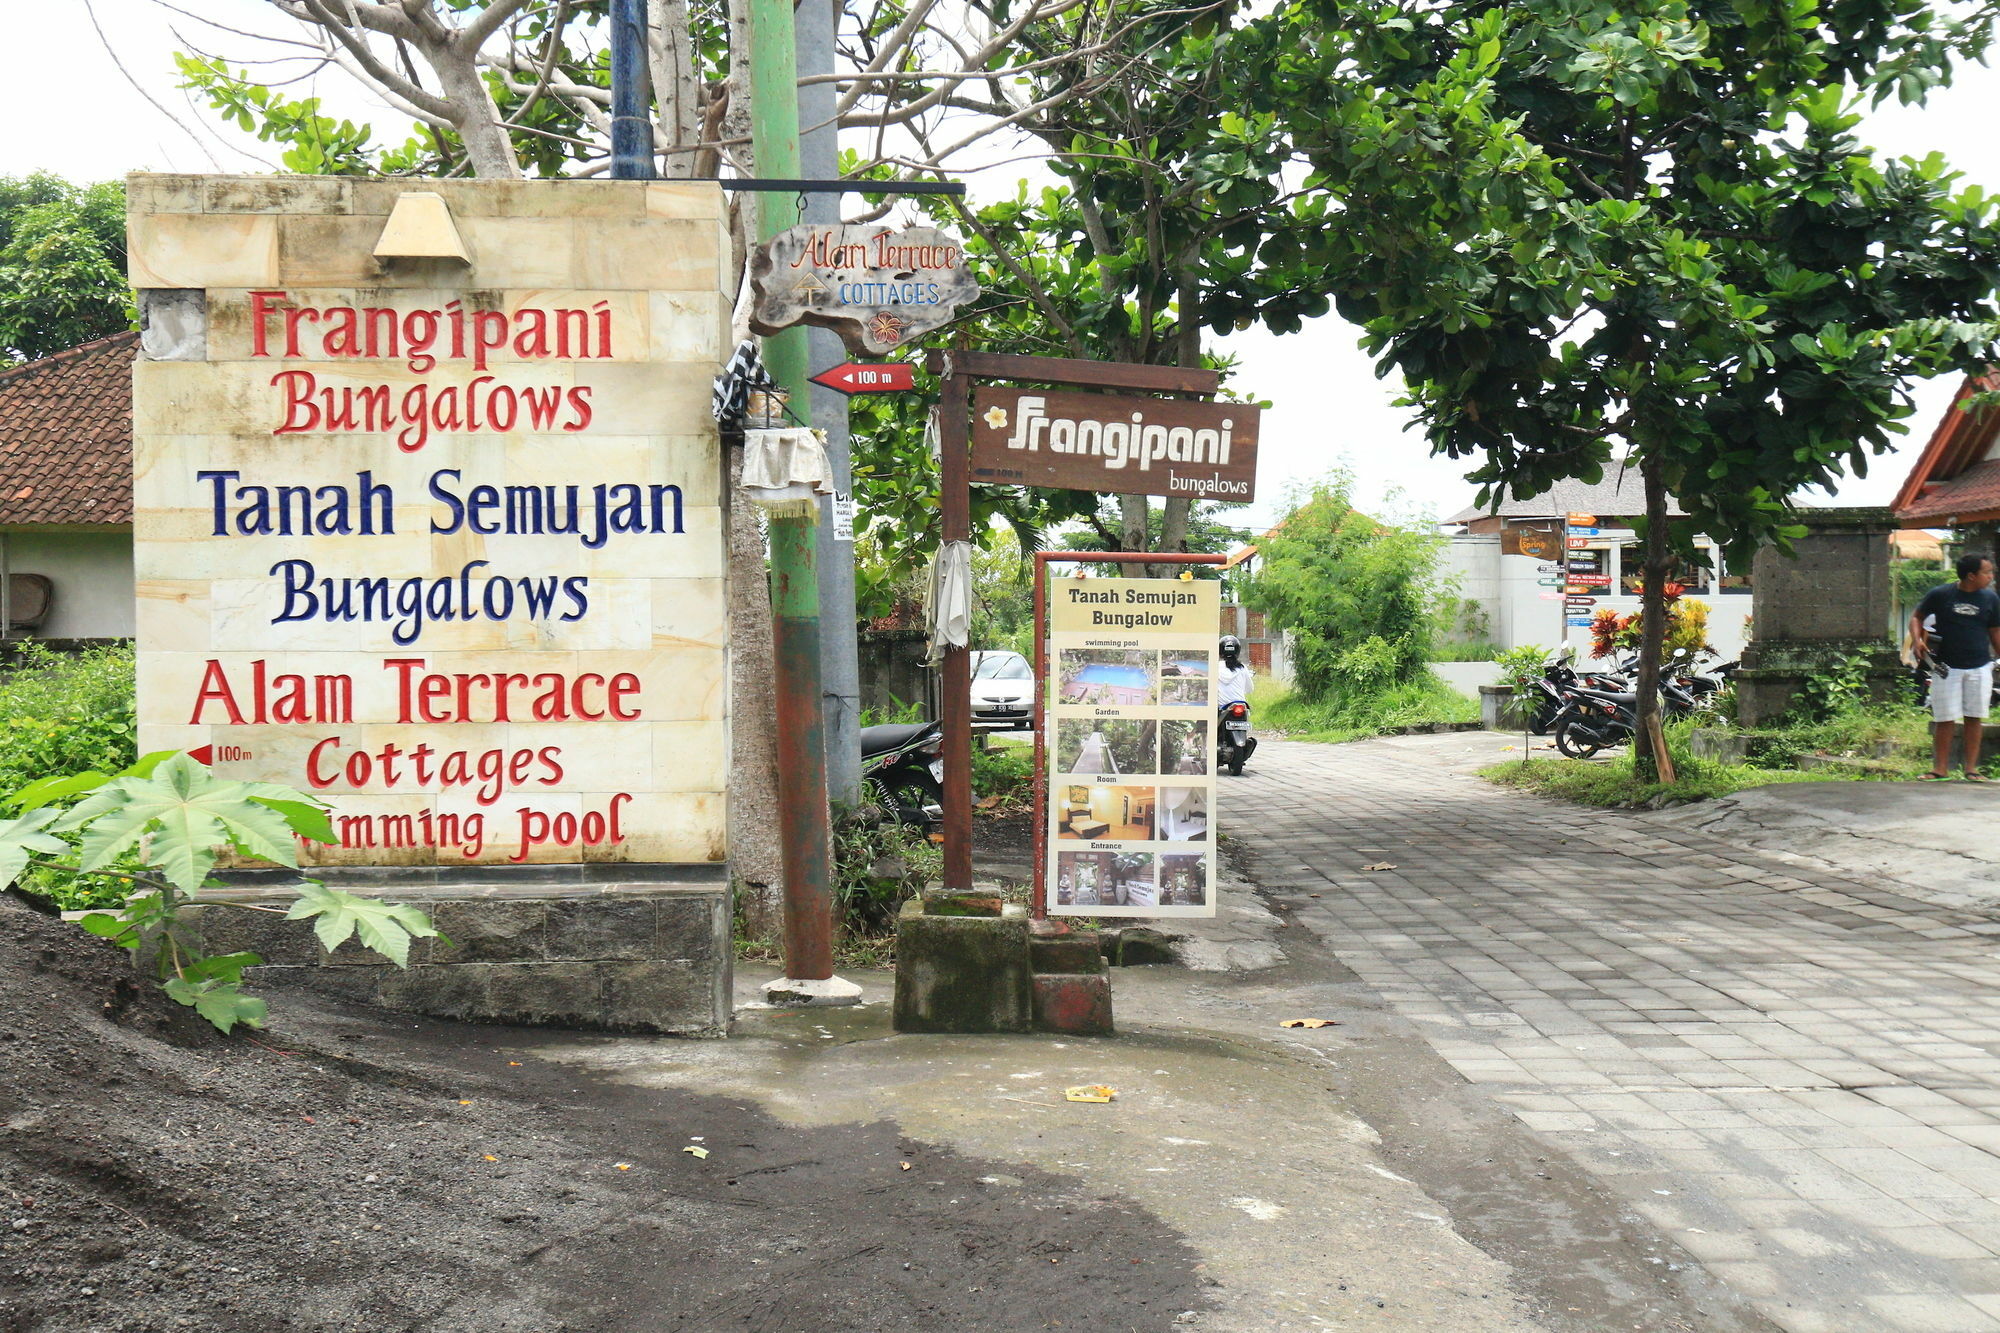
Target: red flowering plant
x=1687, y=627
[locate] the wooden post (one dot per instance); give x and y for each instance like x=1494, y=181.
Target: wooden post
x=955, y=677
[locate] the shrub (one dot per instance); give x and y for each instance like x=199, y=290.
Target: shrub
x=1353, y=715
x=1521, y=667
x=1003, y=774
x=1361, y=597
x=64, y=713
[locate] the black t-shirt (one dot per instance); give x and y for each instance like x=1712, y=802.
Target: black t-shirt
x=1963, y=619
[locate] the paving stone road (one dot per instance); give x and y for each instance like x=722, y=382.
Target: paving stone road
x=1796, y=1075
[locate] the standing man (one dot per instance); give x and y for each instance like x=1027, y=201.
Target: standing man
x=1962, y=640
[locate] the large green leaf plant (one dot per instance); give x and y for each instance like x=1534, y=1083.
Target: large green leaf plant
x=173, y=817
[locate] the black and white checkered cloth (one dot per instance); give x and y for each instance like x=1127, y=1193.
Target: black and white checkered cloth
x=744, y=372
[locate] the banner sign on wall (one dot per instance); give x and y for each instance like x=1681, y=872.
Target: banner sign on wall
x=442, y=546
x=1098, y=442
x=1130, y=746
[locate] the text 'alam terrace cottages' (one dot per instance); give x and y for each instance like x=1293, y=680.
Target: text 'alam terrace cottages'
x=66, y=494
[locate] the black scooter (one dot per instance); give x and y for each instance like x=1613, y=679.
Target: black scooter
x=1594, y=719
x=902, y=772
x=1233, y=742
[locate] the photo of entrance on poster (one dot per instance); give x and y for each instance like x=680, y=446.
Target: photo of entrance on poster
x=1130, y=746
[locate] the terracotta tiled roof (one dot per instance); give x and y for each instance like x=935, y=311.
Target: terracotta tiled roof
x=1973, y=496
x=1961, y=439
x=66, y=436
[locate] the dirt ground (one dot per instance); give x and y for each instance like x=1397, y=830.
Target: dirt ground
x=352, y=1170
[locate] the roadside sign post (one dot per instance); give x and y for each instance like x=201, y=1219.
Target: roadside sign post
x=1106, y=459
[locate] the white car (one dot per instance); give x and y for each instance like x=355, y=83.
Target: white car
x=1003, y=691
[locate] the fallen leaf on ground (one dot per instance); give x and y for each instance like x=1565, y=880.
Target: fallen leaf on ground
x=1381, y=865
x=514, y=1063
x=902, y=1166
x=623, y=1166
x=1090, y=1092
x=698, y=1152
x=1309, y=1023
x=491, y=1158
x=464, y=1103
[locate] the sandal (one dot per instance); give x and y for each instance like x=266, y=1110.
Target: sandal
x=1977, y=777
x=1934, y=777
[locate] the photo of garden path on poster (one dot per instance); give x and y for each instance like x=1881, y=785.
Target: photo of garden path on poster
x=1130, y=746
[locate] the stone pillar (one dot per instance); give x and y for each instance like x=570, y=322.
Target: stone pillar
x=1828, y=600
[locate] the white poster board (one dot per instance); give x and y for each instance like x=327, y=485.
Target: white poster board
x=1130, y=747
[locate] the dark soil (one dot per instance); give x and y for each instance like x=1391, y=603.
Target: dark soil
x=1006, y=836
x=354, y=1170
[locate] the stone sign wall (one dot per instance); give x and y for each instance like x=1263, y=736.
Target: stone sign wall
x=1826, y=602
x=439, y=539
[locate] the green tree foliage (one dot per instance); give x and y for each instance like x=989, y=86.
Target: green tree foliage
x=62, y=265
x=1584, y=231
x=315, y=145
x=1359, y=596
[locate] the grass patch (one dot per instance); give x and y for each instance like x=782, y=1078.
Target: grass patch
x=1424, y=701
x=1614, y=782
x=1479, y=650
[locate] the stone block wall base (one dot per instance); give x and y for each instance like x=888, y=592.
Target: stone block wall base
x=1075, y=1004
x=962, y=973
x=618, y=957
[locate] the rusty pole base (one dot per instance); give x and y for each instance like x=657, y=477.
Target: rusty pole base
x=827, y=993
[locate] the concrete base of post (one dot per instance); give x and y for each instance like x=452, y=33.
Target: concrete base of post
x=829, y=993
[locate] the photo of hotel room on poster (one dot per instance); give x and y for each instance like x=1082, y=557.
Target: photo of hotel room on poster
x=1131, y=747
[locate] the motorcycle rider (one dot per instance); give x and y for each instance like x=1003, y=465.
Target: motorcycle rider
x=1232, y=683
x=1232, y=686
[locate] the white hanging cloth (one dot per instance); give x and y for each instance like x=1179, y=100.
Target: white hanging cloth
x=951, y=598
x=785, y=471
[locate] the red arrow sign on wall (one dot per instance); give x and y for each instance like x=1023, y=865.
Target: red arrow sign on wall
x=852, y=377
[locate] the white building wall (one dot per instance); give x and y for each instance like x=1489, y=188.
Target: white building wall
x=92, y=574
x=1527, y=608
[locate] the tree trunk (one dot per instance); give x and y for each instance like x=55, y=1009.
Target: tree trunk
x=478, y=120
x=1187, y=353
x=756, y=866
x=1653, y=625
x=1135, y=513
x=676, y=89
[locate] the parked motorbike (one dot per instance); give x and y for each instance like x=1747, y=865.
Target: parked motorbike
x=902, y=772
x=1558, y=674
x=1702, y=685
x=1233, y=742
x=1595, y=719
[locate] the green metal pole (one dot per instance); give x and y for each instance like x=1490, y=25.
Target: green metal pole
x=805, y=838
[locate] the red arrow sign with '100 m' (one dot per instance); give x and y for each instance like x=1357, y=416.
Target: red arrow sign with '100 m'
x=851, y=377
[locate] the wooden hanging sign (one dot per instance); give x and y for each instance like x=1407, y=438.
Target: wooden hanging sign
x=1104, y=442
x=874, y=286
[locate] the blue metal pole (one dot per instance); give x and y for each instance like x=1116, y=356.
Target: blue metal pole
x=631, y=125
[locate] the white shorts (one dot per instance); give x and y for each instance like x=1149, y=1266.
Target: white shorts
x=1961, y=692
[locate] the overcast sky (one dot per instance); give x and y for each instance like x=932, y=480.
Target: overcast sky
x=1328, y=407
